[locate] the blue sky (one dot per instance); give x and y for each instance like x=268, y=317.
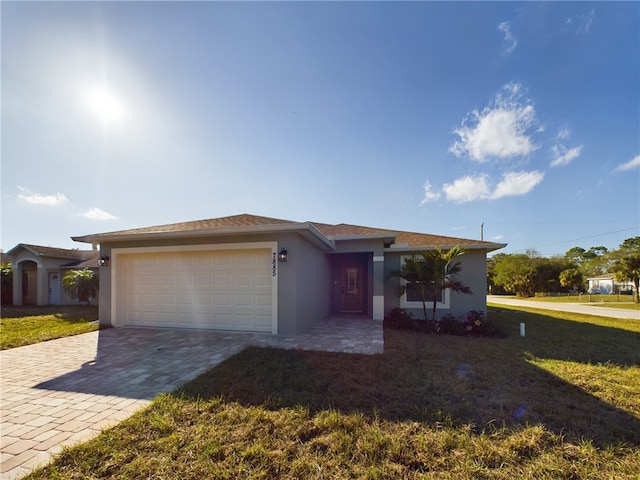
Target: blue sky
x=430, y=117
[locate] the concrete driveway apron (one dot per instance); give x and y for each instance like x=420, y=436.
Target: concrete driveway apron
x=65, y=391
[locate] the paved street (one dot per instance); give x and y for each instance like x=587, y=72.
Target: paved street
x=567, y=307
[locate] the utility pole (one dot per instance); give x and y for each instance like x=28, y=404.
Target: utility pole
x=482, y=231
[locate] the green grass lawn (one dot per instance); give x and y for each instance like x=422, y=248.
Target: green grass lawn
x=25, y=325
x=562, y=402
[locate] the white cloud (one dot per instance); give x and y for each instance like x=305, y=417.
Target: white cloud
x=517, y=183
x=497, y=238
x=510, y=40
x=563, y=155
x=563, y=133
x=582, y=21
x=38, y=199
x=471, y=188
x=502, y=130
x=467, y=189
x=98, y=214
x=429, y=195
x=631, y=164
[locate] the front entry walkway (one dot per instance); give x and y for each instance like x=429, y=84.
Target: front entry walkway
x=67, y=390
x=338, y=333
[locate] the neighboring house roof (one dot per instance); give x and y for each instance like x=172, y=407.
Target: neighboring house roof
x=321, y=232
x=77, y=258
x=91, y=262
x=604, y=276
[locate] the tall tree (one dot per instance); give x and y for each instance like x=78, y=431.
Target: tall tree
x=626, y=266
x=430, y=273
x=592, y=262
x=571, y=277
x=516, y=273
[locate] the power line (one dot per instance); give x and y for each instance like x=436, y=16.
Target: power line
x=578, y=239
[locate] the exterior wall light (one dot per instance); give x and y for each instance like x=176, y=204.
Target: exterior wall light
x=103, y=261
x=282, y=256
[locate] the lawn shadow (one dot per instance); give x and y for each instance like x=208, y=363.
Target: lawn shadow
x=432, y=379
x=548, y=337
x=64, y=312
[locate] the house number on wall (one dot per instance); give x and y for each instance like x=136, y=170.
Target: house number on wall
x=274, y=264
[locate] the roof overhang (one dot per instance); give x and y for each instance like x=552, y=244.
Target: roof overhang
x=306, y=230
x=23, y=247
x=386, y=237
x=486, y=246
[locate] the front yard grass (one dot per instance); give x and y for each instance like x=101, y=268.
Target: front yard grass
x=562, y=402
x=25, y=325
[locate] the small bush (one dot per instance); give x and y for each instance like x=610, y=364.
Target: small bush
x=400, y=319
x=474, y=324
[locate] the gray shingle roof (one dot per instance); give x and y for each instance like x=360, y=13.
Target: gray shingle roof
x=53, y=252
x=247, y=222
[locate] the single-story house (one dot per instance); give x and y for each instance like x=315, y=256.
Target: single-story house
x=38, y=272
x=607, y=284
x=259, y=274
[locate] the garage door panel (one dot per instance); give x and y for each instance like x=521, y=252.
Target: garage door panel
x=263, y=301
x=203, y=280
x=183, y=299
x=243, y=300
x=204, y=300
x=225, y=290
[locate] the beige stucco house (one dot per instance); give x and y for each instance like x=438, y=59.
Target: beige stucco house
x=38, y=272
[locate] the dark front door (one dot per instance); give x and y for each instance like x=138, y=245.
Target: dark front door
x=349, y=285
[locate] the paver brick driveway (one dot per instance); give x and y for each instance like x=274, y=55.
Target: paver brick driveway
x=67, y=390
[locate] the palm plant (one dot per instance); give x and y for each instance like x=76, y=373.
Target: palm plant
x=430, y=273
x=81, y=284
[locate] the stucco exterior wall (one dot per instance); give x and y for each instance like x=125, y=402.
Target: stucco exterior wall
x=375, y=246
x=473, y=274
x=313, y=280
x=302, y=280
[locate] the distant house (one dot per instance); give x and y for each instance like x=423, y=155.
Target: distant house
x=607, y=283
x=259, y=274
x=38, y=272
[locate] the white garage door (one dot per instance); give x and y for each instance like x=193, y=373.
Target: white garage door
x=221, y=290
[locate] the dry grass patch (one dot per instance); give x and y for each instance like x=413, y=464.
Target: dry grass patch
x=183, y=439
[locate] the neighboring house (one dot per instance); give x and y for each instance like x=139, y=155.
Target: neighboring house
x=252, y=273
x=38, y=272
x=607, y=283
x=6, y=291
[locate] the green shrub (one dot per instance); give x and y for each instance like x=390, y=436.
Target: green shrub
x=474, y=324
x=400, y=319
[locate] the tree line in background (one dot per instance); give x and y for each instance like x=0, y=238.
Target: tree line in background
x=524, y=274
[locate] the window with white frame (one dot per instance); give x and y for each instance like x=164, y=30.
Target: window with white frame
x=411, y=298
